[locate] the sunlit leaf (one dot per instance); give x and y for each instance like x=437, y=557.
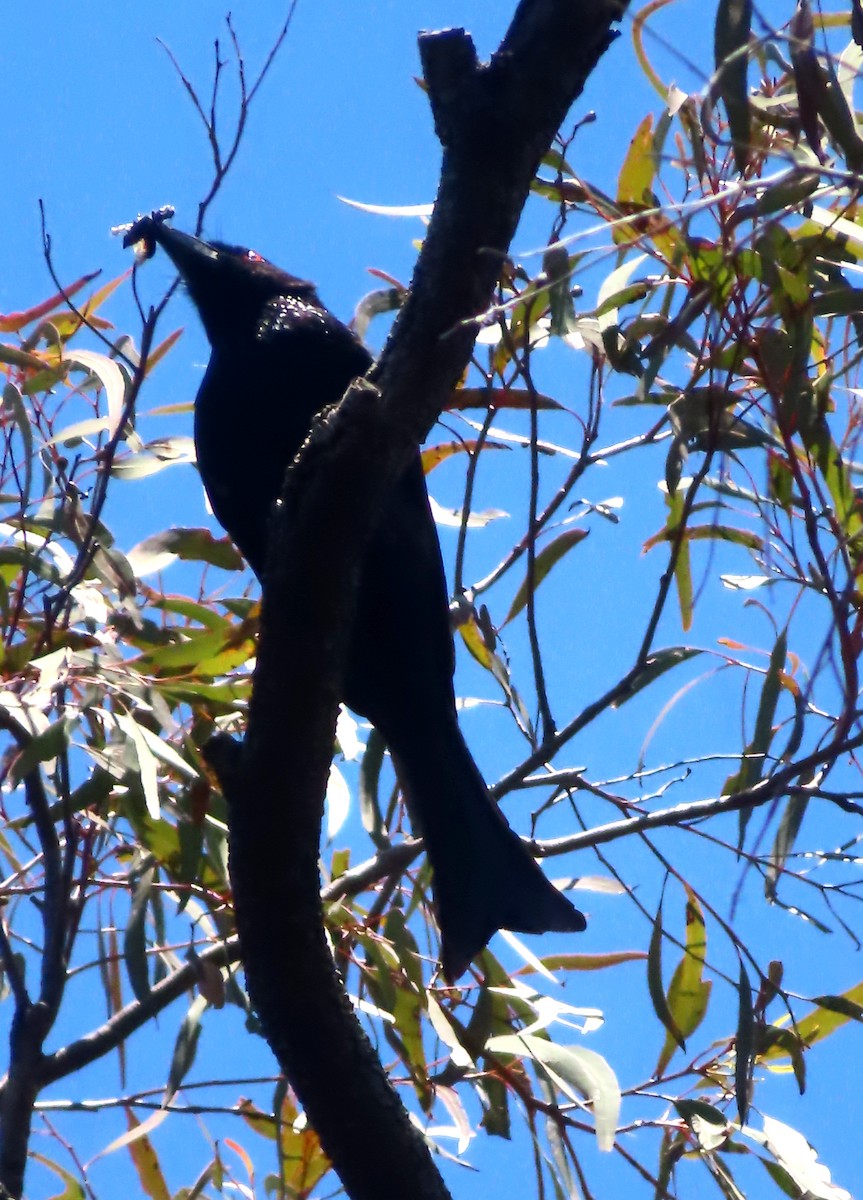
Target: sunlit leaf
x=433, y=456
x=688, y=993
x=154, y=457
x=586, y=962
x=111, y=378
x=73, y=1190
x=159, y=550
x=831, y=1013
x=390, y=210
x=579, y=1072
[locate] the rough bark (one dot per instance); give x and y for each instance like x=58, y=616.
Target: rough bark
x=494, y=121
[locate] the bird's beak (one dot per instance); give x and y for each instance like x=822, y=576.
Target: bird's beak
x=186, y=252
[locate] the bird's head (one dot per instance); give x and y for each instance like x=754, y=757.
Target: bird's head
x=229, y=285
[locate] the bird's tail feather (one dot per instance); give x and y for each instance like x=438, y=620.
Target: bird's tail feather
x=484, y=876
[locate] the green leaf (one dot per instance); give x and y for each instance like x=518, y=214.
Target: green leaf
x=185, y=1047
x=73, y=1189
x=147, y=770
x=688, y=993
x=616, y=290
x=203, y=614
x=744, y=1044
x=831, y=1013
x=190, y=545
x=13, y=404
x=493, y=1095
x=369, y=789
x=45, y=746
x=657, y=664
x=655, y=986
x=206, y=653
x=786, y=836
x=585, y=962
x=544, y=561
x=154, y=457
x=635, y=181
x=751, y=767
x=700, y=1108
x=135, y=937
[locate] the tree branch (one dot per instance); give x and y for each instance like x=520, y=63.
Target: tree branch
x=495, y=121
x=133, y=1016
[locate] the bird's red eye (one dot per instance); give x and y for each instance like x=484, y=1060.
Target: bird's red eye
x=253, y=256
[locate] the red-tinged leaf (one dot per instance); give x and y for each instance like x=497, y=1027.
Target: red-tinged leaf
x=158, y=353
x=635, y=182
x=211, y=984
x=495, y=398
x=67, y=324
x=243, y=1156
x=10, y=322
x=92, y=303
x=544, y=561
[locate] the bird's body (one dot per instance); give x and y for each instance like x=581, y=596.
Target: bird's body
x=278, y=357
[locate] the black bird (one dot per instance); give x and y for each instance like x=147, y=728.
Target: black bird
x=278, y=356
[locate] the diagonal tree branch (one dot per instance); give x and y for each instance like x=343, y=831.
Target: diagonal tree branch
x=494, y=121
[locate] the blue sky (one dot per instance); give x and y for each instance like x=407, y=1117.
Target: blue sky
x=97, y=125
